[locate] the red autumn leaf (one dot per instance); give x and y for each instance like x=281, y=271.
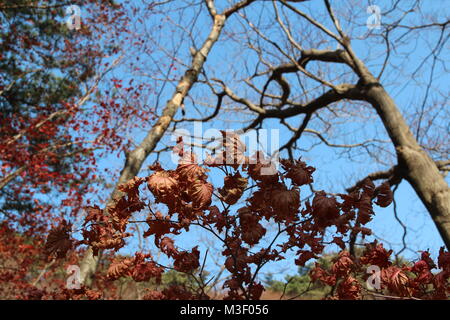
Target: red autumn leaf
x=325, y=209
x=131, y=188
x=188, y=168
x=396, y=281
x=162, y=185
x=93, y=214
x=444, y=260
x=145, y=271
x=233, y=189
x=304, y=257
x=201, y=193
x=233, y=147
x=368, y=187
x=159, y=225
x=120, y=268
x=252, y=230
x=187, y=261
x=319, y=274
x=285, y=202
x=365, y=212
x=375, y=254
x=349, y=289
x=59, y=240
x=256, y=291
x=384, y=195
x=167, y=246
x=298, y=172
x=343, y=264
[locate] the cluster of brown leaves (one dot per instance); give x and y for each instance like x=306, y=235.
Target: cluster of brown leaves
x=347, y=275
x=272, y=198
x=137, y=268
x=108, y=230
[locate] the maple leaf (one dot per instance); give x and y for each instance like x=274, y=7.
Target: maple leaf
x=368, y=187
x=167, y=246
x=441, y=285
x=131, y=188
x=325, y=209
x=216, y=217
x=365, y=212
x=343, y=264
x=187, y=261
x=120, y=268
x=188, y=168
x=349, y=289
x=262, y=169
x=444, y=260
x=384, y=195
x=375, y=254
x=396, y=281
x=93, y=214
x=256, y=291
x=159, y=225
x=234, y=148
x=422, y=269
x=298, y=172
x=201, y=193
x=317, y=273
x=145, y=271
x=233, y=188
x=163, y=185
x=339, y=242
x=179, y=147
x=59, y=240
x=425, y=256
x=285, y=202
x=304, y=257
x=253, y=235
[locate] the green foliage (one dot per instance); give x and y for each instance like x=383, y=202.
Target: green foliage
x=299, y=285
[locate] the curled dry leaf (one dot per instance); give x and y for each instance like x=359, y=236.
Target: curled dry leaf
x=396, y=281
x=298, y=172
x=252, y=230
x=59, y=240
x=233, y=189
x=343, y=264
x=201, y=193
x=187, y=261
x=120, y=268
x=163, y=186
x=375, y=254
x=285, y=203
x=384, y=195
x=349, y=289
x=325, y=209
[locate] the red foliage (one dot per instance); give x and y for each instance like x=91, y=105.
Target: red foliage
x=188, y=198
x=275, y=199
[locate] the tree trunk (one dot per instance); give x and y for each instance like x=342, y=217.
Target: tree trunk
x=136, y=158
x=416, y=165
